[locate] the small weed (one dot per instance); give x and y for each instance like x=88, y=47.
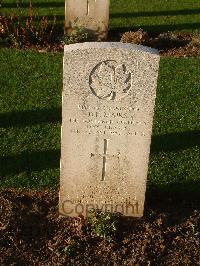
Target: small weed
x=103, y=224
x=71, y=249
x=78, y=35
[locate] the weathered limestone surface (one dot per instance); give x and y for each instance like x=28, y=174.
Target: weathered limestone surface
x=107, y=113
x=93, y=15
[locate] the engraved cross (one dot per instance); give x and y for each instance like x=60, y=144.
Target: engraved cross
x=105, y=157
x=88, y=6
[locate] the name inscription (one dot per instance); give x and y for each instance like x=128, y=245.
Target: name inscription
x=107, y=121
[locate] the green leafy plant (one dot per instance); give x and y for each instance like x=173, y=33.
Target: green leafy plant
x=103, y=224
x=72, y=248
x=77, y=35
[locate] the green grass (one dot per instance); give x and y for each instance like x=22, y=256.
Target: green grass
x=151, y=15
x=30, y=107
x=30, y=118
x=156, y=15
x=176, y=133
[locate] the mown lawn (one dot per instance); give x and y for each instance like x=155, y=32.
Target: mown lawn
x=30, y=119
x=151, y=15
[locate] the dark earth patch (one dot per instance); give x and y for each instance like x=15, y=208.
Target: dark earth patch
x=31, y=233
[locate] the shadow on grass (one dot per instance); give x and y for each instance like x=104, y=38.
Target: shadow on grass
x=156, y=28
x=49, y=159
x=28, y=162
x=175, y=141
x=55, y=4
x=150, y=28
x=156, y=13
x=32, y=117
x=40, y=160
x=172, y=194
x=119, y=30
x=177, y=200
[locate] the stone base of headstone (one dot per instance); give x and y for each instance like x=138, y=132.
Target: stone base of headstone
x=92, y=16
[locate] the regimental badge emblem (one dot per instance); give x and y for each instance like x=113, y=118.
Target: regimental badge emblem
x=110, y=81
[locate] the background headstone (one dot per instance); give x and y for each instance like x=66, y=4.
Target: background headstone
x=92, y=15
x=107, y=113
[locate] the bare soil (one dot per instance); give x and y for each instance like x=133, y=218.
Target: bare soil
x=31, y=233
x=168, y=43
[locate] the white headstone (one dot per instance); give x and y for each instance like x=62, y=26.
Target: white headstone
x=107, y=113
x=92, y=15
